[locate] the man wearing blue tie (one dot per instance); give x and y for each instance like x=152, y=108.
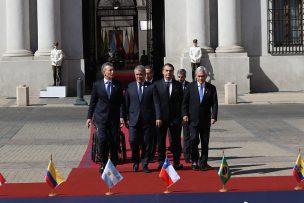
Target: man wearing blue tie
x=106, y=102
x=142, y=113
x=199, y=109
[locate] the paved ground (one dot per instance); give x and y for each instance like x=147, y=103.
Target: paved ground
x=260, y=135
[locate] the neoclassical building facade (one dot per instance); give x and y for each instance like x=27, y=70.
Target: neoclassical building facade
x=257, y=44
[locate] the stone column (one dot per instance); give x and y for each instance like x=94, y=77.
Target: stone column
x=17, y=28
x=48, y=15
x=229, y=26
x=198, y=23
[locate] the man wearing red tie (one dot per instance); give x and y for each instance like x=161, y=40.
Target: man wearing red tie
x=199, y=109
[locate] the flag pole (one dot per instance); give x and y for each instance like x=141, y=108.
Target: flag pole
x=52, y=193
x=109, y=192
x=299, y=186
x=167, y=191
x=223, y=188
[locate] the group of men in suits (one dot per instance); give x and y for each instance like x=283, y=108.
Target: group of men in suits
x=151, y=110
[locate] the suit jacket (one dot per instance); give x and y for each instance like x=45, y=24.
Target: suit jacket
x=170, y=107
x=146, y=109
x=186, y=85
x=200, y=113
x=103, y=108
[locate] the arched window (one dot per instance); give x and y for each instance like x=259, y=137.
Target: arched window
x=285, y=27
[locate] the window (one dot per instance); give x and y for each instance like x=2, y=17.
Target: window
x=285, y=27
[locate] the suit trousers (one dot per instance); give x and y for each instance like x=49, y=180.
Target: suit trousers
x=200, y=133
x=140, y=138
x=175, y=144
x=194, y=66
x=108, y=135
x=186, y=141
x=153, y=141
x=56, y=75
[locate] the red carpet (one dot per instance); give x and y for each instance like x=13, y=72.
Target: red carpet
x=203, y=182
x=86, y=181
x=124, y=77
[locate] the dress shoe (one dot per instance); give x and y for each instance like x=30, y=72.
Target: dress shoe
x=135, y=167
x=101, y=169
x=146, y=169
x=204, y=168
x=194, y=166
x=178, y=166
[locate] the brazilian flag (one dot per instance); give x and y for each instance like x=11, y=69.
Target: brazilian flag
x=224, y=171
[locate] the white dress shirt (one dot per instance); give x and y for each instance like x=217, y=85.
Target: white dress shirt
x=170, y=86
x=56, y=57
x=195, y=54
x=106, y=82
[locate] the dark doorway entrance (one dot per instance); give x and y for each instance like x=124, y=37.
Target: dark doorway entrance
x=110, y=33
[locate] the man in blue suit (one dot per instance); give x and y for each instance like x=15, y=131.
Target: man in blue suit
x=105, y=104
x=199, y=109
x=140, y=103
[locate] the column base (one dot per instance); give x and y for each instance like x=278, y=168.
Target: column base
x=206, y=49
x=230, y=49
x=17, y=53
x=43, y=52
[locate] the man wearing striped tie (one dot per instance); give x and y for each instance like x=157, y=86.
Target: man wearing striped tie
x=199, y=109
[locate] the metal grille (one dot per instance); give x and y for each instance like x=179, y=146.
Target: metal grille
x=149, y=32
x=285, y=27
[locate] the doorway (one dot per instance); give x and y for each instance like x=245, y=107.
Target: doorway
x=111, y=33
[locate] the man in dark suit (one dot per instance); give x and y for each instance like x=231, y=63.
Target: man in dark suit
x=181, y=77
x=153, y=142
x=170, y=93
x=141, y=102
x=200, y=107
x=105, y=104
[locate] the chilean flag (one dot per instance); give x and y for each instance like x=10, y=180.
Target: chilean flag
x=168, y=174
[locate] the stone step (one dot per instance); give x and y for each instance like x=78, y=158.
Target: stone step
x=53, y=91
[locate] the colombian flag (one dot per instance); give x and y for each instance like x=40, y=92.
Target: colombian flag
x=298, y=169
x=53, y=177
